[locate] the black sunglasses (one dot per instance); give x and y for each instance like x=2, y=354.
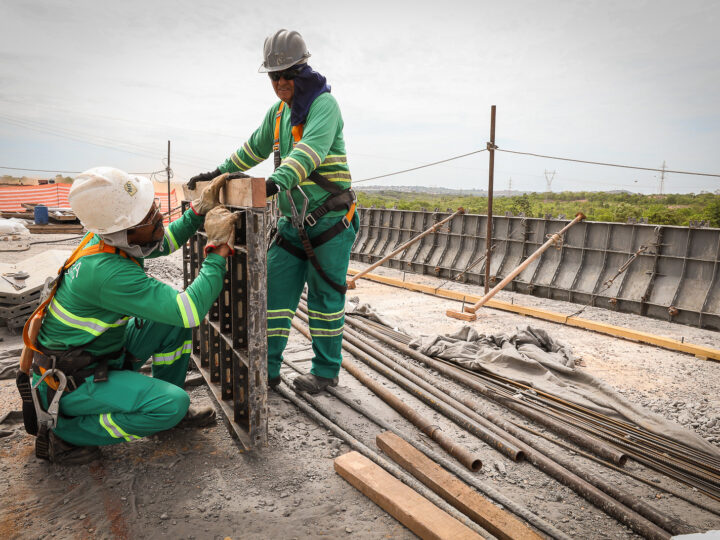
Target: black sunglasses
x=288, y=74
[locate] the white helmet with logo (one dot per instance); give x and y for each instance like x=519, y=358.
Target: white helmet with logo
x=107, y=200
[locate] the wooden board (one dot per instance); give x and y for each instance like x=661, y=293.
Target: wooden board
x=407, y=506
x=700, y=351
x=53, y=228
x=496, y=521
x=247, y=192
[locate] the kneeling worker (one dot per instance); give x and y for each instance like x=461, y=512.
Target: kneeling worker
x=107, y=317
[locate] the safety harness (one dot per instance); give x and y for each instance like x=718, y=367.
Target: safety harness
x=62, y=371
x=339, y=199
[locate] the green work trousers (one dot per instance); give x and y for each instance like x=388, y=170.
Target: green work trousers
x=287, y=275
x=130, y=405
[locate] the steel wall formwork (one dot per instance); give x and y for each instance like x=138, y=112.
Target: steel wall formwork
x=674, y=276
x=230, y=345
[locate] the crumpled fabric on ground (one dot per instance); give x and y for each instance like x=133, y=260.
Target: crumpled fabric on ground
x=532, y=357
x=361, y=309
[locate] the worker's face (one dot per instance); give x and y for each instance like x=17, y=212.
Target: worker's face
x=284, y=84
x=149, y=230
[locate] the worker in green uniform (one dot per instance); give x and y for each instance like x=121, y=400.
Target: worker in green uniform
x=107, y=317
x=304, y=132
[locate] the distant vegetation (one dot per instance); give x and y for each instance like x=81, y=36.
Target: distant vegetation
x=672, y=209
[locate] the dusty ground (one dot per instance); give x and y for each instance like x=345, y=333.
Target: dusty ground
x=198, y=484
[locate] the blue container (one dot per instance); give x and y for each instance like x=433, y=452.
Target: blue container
x=41, y=215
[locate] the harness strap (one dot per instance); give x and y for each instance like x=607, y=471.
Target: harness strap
x=80, y=251
x=276, y=143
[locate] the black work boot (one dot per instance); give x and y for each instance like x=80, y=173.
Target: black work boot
x=312, y=384
x=198, y=416
x=274, y=382
x=63, y=453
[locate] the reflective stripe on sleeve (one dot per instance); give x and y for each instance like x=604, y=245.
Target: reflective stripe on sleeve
x=187, y=310
x=90, y=325
x=309, y=152
x=252, y=155
x=114, y=430
x=172, y=243
x=333, y=160
x=326, y=316
x=168, y=358
x=239, y=163
x=297, y=168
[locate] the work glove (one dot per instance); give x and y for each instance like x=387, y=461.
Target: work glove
x=220, y=228
x=210, y=196
x=271, y=188
x=203, y=177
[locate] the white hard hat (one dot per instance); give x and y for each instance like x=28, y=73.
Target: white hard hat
x=283, y=49
x=107, y=200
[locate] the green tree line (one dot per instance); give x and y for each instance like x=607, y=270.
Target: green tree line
x=670, y=209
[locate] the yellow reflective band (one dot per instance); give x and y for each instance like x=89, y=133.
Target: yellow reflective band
x=172, y=243
x=297, y=168
x=324, y=332
x=239, y=163
x=187, y=310
x=90, y=325
x=319, y=316
x=250, y=153
x=114, y=430
x=168, y=358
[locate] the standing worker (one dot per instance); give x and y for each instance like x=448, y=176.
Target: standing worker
x=106, y=317
x=304, y=131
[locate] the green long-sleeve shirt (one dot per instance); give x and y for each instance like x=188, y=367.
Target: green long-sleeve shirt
x=100, y=292
x=321, y=148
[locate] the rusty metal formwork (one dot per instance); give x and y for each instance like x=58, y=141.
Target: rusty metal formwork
x=230, y=345
x=676, y=278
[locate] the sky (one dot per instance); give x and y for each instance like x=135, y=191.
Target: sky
x=94, y=82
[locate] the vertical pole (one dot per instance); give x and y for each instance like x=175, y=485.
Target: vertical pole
x=491, y=173
x=167, y=170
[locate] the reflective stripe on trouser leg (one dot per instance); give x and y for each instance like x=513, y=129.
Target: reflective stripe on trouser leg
x=169, y=346
x=326, y=306
x=285, y=282
x=127, y=406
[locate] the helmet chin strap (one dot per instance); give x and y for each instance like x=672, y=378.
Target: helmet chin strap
x=119, y=240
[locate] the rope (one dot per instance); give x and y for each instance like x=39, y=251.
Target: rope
x=606, y=164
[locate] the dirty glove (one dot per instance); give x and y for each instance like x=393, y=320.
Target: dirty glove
x=210, y=196
x=220, y=228
x=203, y=177
x=271, y=188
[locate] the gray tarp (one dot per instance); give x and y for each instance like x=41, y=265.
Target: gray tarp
x=532, y=357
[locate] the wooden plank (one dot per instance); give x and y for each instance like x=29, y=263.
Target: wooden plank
x=406, y=505
x=498, y=522
x=56, y=229
x=247, y=192
x=700, y=351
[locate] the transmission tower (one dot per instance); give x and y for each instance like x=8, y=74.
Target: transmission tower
x=549, y=175
x=662, y=179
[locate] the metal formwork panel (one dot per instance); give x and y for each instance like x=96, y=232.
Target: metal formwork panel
x=676, y=275
x=230, y=345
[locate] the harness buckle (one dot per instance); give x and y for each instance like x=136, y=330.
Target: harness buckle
x=310, y=220
x=345, y=222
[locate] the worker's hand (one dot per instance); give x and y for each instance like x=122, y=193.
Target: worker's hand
x=203, y=177
x=271, y=188
x=210, y=196
x=220, y=229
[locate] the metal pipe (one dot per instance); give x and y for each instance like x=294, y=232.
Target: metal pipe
x=327, y=419
x=491, y=175
x=459, y=452
x=615, y=502
x=555, y=238
x=448, y=464
x=593, y=444
x=352, y=280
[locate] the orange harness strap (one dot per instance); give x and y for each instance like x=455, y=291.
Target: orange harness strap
x=80, y=251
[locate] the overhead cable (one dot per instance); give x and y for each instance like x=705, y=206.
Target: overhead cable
x=72, y=172
x=420, y=167
x=605, y=164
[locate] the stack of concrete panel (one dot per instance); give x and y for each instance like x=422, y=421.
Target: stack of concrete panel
x=20, y=297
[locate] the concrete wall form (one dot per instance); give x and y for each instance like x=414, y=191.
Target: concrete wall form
x=676, y=278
